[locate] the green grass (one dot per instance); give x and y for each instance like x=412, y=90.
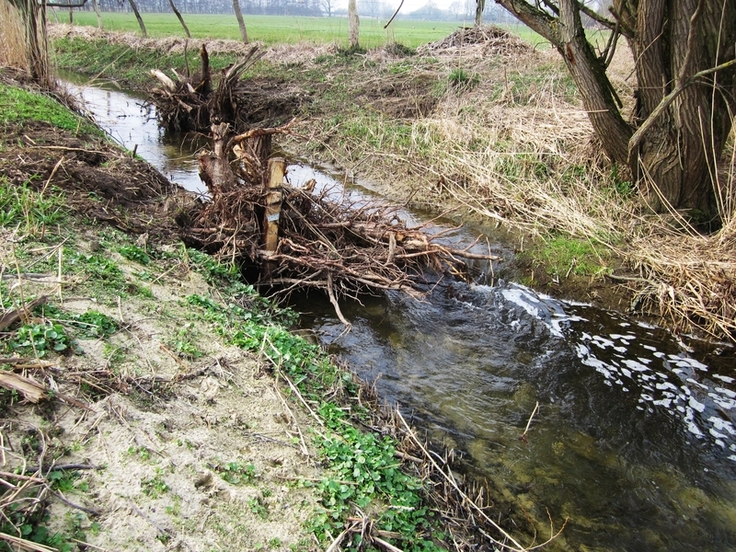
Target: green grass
x=125, y=64
x=29, y=210
x=21, y=106
x=273, y=29
x=563, y=256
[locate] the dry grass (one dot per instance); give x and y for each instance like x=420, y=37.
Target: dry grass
x=537, y=168
x=482, y=122
x=12, y=44
x=516, y=148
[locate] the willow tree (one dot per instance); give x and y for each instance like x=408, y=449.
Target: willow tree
x=685, y=88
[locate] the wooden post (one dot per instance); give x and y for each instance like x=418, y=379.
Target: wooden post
x=276, y=171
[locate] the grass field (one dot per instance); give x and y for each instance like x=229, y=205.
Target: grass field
x=273, y=29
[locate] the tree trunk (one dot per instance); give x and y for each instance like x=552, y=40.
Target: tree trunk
x=139, y=18
x=683, y=119
x=97, y=11
x=180, y=18
x=480, y=5
x=675, y=158
x=595, y=89
x=354, y=20
x=241, y=23
x=586, y=69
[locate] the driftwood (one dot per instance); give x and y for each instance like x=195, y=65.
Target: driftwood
x=190, y=103
x=296, y=237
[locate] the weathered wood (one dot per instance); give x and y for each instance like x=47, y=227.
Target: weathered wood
x=214, y=166
x=13, y=316
x=276, y=170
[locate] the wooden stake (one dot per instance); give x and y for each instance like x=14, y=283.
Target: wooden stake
x=276, y=170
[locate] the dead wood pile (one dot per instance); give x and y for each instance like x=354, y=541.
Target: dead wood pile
x=491, y=39
x=191, y=102
x=296, y=237
x=301, y=237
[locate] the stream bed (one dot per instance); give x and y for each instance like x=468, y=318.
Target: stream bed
x=635, y=437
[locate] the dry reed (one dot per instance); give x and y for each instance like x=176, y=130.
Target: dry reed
x=12, y=42
x=685, y=277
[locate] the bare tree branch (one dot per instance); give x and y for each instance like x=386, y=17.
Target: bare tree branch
x=595, y=16
x=394, y=15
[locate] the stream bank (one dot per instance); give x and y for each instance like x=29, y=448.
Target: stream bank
x=675, y=465
x=146, y=400
x=634, y=432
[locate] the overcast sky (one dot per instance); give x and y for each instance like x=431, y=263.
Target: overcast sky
x=409, y=5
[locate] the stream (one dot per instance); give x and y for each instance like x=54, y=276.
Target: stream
x=635, y=436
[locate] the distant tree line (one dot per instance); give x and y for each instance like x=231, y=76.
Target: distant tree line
x=267, y=7
x=457, y=10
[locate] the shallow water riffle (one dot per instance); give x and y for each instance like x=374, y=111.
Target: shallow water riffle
x=635, y=437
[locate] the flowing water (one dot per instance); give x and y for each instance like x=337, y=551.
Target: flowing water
x=635, y=436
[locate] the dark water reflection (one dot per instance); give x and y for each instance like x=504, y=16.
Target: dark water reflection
x=635, y=438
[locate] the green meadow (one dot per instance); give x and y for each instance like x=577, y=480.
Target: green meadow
x=274, y=29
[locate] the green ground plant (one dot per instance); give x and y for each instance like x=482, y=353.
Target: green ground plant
x=29, y=210
x=21, y=106
x=155, y=486
x=237, y=473
x=68, y=481
x=562, y=256
x=258, y=507
x=185, y=343
x=134, y=253
x=91, y=324
x=39, y=339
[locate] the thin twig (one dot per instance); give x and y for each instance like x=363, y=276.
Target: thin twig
x=523, y=435
x=453, y=483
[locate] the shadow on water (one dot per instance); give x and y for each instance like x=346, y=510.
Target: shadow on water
x=635, y=437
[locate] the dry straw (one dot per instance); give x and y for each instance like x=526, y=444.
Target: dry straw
x=12, y=45
x=517, y=148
